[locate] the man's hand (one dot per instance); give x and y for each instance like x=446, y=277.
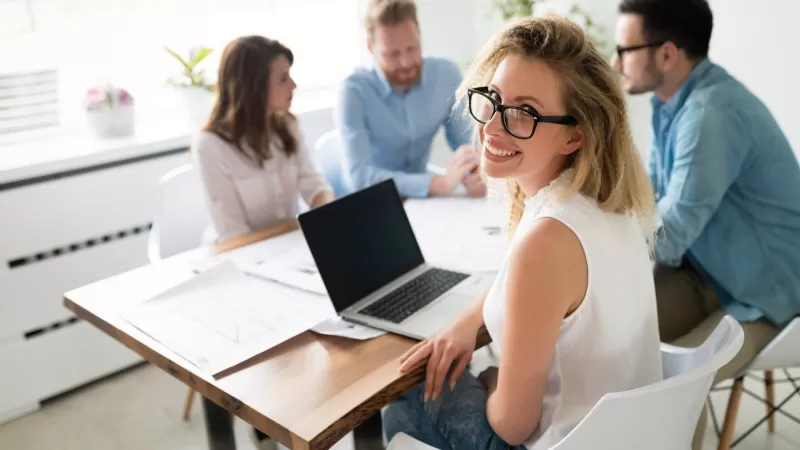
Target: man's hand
x=466, y=155
x=475, y=185
x=463, y=163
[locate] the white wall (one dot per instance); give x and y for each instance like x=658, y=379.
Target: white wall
x=757, y=43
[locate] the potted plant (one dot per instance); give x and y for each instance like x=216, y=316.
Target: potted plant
x=510, y=9
x=109, y=110
x=192, y=84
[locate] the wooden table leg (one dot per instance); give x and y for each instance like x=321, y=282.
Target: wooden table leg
x=369, y=435
x=219, y=426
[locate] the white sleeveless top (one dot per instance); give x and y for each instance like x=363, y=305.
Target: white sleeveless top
x=610, y=343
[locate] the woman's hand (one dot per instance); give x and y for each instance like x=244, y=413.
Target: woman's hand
x=455, y=345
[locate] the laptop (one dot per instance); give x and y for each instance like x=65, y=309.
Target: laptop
x=374, y=271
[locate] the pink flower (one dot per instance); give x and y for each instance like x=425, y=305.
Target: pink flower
x=107, y=96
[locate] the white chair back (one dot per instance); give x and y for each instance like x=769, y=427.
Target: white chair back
x=181, y=214
x=328, y=155
x=782, y=352
x=661, y=416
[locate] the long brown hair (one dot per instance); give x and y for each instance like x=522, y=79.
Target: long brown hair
x=240, y=113
x=607, y=167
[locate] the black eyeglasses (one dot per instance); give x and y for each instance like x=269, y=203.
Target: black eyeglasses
x=519, y=121
x=623, y=50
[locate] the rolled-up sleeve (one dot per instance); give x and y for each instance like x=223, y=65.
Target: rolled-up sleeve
x=224, y=206
x=361, y=171
x=710, y=148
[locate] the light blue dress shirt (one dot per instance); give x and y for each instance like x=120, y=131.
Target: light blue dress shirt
x=387, y=133
x=728, y=187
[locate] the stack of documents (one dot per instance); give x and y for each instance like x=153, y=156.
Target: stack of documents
x=222, y=317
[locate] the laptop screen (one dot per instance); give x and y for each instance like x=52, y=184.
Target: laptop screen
x=361, y=242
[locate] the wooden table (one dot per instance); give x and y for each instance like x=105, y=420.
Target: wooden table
x=307, y=393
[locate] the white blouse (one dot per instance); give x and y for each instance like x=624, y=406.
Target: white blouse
x=243, y=197
x=610, y=343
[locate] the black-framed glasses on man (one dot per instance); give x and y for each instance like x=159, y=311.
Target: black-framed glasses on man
x=622, y=50
x=518, y=121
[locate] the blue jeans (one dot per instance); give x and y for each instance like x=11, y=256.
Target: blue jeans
x=455, y=420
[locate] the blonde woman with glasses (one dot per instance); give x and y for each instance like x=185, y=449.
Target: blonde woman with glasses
x=573, y=307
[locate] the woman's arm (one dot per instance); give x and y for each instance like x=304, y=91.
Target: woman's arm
x=450, y=349
x=547, y=280
x=322, y=198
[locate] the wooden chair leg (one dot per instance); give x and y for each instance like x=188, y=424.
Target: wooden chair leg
x=769, y=382
x=187, y=409
x=729, y=426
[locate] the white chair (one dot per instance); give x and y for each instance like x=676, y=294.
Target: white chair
x=782, y=353
x=661, y=416
x=329, y=159
x=180, y=222
x=181, y=216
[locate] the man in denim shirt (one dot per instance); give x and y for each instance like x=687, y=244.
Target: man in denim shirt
x=727, y=181
x=387, y=115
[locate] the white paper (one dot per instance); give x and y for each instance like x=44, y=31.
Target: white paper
x=256, y=253
x=462, y=234
x=339, y=327
x=295, y=268
x=222, y=317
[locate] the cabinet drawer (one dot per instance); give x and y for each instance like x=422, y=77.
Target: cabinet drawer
x=53, y=214
x=32, y=295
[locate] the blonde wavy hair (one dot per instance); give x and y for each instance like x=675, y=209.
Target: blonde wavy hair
x=607, y=167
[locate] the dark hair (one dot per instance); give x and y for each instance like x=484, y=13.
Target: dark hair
x=686, y=23
x=240, y=113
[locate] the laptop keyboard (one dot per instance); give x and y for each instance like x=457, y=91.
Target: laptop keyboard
x=409, y=298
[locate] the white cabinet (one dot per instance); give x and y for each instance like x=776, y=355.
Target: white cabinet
x=57, y=233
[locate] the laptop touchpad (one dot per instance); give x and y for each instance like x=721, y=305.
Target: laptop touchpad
x=450, y=305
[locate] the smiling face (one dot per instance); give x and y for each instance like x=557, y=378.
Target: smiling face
x=532, y=86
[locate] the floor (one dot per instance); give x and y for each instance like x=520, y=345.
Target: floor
x=141, y=409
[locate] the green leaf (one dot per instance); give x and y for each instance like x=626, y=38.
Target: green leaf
x=183, y=62
x=200, y=56
x=510, y=9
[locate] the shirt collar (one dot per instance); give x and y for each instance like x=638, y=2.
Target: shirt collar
x=671, y=106
x=386, y=88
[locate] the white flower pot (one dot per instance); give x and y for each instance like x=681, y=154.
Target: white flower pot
x=109, y=123
x=196, y=103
